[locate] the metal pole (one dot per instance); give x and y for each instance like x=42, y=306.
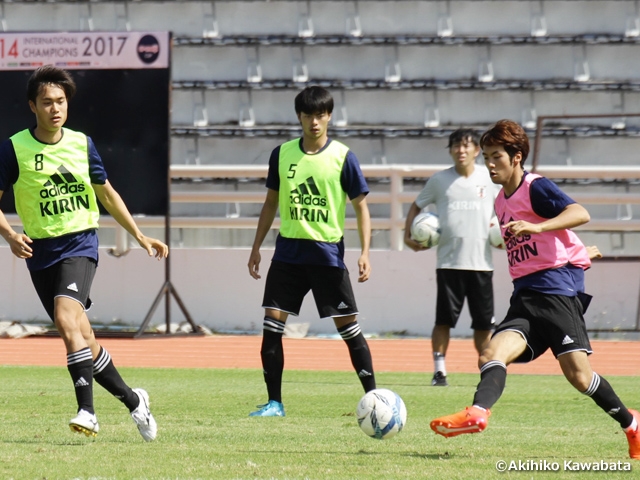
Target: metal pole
x=536, y=144
x=167, y=261
x=396, y=211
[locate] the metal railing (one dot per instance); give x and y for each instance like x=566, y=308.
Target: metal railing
x=395, y=197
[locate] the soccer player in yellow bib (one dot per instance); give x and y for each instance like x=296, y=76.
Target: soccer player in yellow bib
x=310, y=179
x=57, y=174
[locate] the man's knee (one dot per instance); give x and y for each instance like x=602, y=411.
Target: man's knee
x=485, y=356
x=576, y=369
x=66, y=323
x=579, y=379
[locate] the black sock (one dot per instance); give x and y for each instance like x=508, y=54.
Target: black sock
x=80, y=366
x=493, y=377
x=360, y=354
x=106, y=375
x=602, y=393
x=272, y=355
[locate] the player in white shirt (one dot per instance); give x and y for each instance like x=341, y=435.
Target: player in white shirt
x=463, y=196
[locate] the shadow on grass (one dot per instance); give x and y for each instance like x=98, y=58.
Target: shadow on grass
x=71, y=442
x=59, y=443
x=391, y=385
x=424, y=456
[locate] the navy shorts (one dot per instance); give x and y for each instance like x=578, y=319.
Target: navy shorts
x=71, y=277
x=288, y=283
x=454, y=286
x=547, y=321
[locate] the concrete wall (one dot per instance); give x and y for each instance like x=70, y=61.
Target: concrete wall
x=219, y=293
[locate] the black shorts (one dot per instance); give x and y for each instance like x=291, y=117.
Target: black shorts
x=288, y=283
x=547, y=321
x=454, y=286
x=70, y=277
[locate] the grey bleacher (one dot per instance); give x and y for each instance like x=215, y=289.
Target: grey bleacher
x=353, y=61
x=333, y=17
x=404, y=74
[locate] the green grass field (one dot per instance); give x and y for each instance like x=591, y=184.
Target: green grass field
x=204, y=430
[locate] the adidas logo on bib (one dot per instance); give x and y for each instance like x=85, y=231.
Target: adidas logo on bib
x=63, y=193
x=308, y=203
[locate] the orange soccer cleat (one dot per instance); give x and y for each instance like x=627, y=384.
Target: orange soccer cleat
x=634, y=437
x=469, y=420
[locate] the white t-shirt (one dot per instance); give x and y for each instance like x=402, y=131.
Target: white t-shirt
x=465, y=209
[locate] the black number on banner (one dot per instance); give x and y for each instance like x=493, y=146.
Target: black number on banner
x=100, y=46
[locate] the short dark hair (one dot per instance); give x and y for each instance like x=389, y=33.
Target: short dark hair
x=510, y=136
x=314, y=99
x=463, y=134
x=50, y=75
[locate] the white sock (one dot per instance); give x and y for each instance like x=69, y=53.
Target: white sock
x=633, y=426
x=439, y=364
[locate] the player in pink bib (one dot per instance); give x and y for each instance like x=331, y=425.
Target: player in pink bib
x=547, y=263
x=546, y=249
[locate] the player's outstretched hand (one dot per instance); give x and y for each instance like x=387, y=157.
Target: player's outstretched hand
x=19, y=244
x=593, y=252
x=364, y=268
x=154, y=247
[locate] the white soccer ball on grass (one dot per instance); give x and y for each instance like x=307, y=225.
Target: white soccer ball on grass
x=381, y=413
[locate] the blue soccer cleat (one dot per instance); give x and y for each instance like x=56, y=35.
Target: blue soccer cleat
x=271, y=409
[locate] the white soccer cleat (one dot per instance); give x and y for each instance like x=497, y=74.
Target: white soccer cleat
x=147, y=425
x=86, y=423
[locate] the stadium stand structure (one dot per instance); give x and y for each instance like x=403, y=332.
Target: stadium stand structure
x=404, y=74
